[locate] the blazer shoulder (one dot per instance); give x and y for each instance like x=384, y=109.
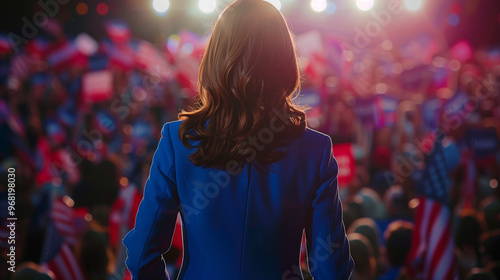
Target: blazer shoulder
x=173, y=124
x=172, y=127
x=314, y=137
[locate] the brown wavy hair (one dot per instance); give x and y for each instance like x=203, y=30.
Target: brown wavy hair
x=247, y=80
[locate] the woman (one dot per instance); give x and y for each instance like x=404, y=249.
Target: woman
x=242, y=169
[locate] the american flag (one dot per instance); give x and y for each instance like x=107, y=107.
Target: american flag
x=149, y=58
x=123, y=213
x=122, y=220
x=58, y=257
x=432, y=253
x=38, y=47
x=63, y=54
x=63, y=217
x=118, y=31
x=121, y=56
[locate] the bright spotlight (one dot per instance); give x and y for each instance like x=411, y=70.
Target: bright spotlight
x=161, y=6
x=364, y=5
x=413, y=5
x=318, y=5
x=276, y=3
x=330, y=7
x=207, y=6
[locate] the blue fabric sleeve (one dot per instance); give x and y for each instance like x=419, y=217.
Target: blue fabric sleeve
x=327, y=245
x=156, y=217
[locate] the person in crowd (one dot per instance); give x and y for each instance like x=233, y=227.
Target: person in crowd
x=396, y=204
x=82, y=193
x=469, y=229
x=94, y=255
x=98, y=184
x=31, y=271
x=490, y=207
x=397, y=238
x=480, y=274
x=490, y=242
x=362, y=253
x=368, y=228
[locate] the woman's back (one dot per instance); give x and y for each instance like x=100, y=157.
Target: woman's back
x=241, y=168
x=242, y=223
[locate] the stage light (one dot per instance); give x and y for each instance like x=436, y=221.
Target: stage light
x=318, y=5
x=381, y=88
x=173, y=43
x=88, y=217
x=187, y=48
x=68, y=201
x=454, y=65
x=276, y=3
x=413, y=203
x=207, y=6
x=124, y=181
x=82, y=8
x=364, y=5
x=387, y=45
x=413, y=5
x=330, y=7
x=102, y=9
x=161, y=6
x=493, y=183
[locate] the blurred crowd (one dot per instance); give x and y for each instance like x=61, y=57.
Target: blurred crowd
x=84, y=143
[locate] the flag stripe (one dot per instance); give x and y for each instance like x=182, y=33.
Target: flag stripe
x=437, y=228
x=62, y=215
x=417, y=236
x=72, y=264
x=64, y=228
x=437, y=254
x=452, y=271
x=441, y=271
x=61, y=269
x=433, y=216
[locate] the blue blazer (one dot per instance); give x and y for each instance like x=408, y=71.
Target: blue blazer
x=242, y=224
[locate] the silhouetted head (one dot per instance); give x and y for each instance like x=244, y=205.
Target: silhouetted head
x=362, y=254
x=490, y=242
x=368, y=228
x=398, y=241
x=93, y=255
x=247, y=78
x=480, y=274
x=30, y=271
x=469, y=229
x=491, y=212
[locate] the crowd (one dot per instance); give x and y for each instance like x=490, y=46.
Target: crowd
x=80, y=122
